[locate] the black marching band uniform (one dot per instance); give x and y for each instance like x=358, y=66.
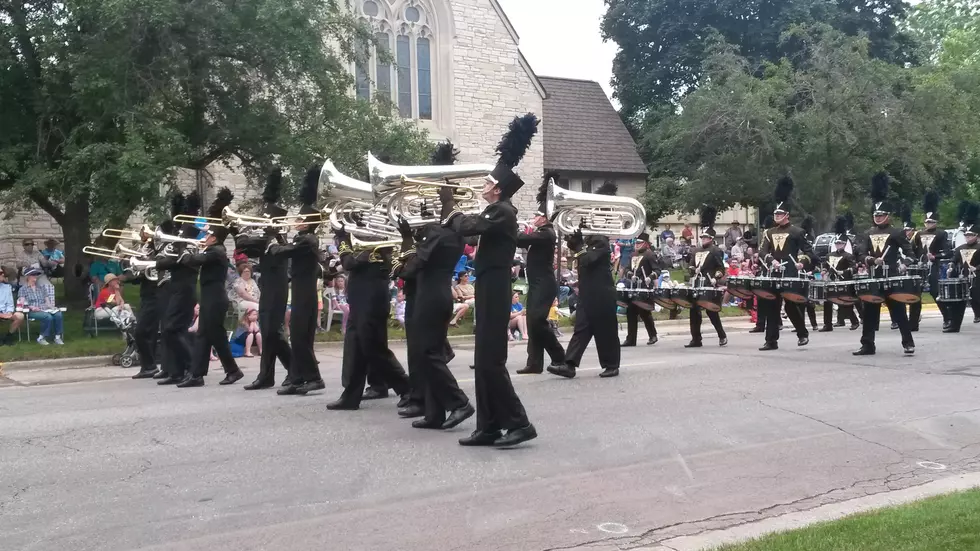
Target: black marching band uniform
x=783, y=245
x=840, y=267
x=273, y=287
x=596, y=313
x=213, y=265
x=498, y=407
x=931, y=245
x=709, y=266
x=646, y=270
x=881, y=248
x=964, y=264
x=542, y=286
x=181, y=297
x=153, y=302
x=304, y=271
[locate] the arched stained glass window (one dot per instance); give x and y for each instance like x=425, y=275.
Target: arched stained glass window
x=425, y=82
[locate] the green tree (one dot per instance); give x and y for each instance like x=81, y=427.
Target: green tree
x=101, y=100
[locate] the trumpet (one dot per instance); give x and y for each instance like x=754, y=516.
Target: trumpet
x=609, y=215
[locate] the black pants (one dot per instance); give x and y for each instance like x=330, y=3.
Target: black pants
x=605, y=330
x=771, y=310
x=633, y=313
x=696, y=323
x=843, y=312
x=540, y=339
x=177, y=318
x=872, y=318
x=274, y=345
x=915, y=310
x=211, y=334
x=811, y=312
x=497, y=404
x=957, y=310
x=304, y=367
x=147, y=331
x=428, y=357
x=366, y=352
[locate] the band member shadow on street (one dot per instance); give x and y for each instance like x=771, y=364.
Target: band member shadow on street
x=708, y=271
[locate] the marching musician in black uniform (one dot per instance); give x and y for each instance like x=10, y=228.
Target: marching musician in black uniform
x=273, y=286
x=181, y=298
x=786, y=251
x=840, y=267
x=881, y=248
x=596, y=313
x=213, y=264
x=709, y=266
x=542, y=285
x=645, y=271
x=304, y=271
x=964, y=264
x=153, y=301
x=498, y=407
x=760, y=320
x=931, y=245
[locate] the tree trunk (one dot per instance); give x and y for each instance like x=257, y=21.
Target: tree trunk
x=76, y=231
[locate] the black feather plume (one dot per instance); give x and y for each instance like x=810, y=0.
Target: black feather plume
x=840, y=226
x=784, y=188
x=192, y=205
x=517, y=140
x=807, y=225
x=708, y=216
x=273, y=186
x=931, y=201
x=543, y=188
x=850, y=221
x=222, y=200
x=608, y=188
x=961, y=210
x=311, y=185
x=906, y=213
x=767, y=222
x=445, y=154
x=879, y=187
x=177, y=204
x=972, y=214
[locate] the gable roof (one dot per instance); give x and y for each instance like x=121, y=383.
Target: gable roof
x=583, y=132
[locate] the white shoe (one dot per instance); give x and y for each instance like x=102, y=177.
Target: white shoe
x=57, y=340
x=42, y=341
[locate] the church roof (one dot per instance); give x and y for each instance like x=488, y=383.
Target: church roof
x=583, y=132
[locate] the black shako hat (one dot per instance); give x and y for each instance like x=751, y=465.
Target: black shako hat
x=222, y=200
x=840, y=229
x=272, y=194
x=906, y=212
x=308, y=193
x=192, y=207
x=970, y=219
x=708, y=216
x=784, y=188
x=879, y=194
x=930, y=205
x=511, y=149
x=167, y=225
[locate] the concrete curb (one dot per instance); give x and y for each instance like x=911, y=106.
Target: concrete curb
x=824, y=513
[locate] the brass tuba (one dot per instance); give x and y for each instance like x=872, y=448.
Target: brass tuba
x=352, y=205
x=595, y=214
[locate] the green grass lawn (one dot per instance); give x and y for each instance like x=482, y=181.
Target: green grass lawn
x=944, y=523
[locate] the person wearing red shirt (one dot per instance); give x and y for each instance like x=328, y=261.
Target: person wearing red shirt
x=110, y=297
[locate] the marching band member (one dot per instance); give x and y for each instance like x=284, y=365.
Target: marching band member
x=273, y=287
x=596, y=312
x=881, y=248
x=498, y=407
x=709, y=265
x=786, y=248
x=645, y=269
x=840, y=264
x=760, y=320
x=213, y=264
x=964, y=264
x=542, y=285
x=303, y=252
x=181, y=298
x=932, y=245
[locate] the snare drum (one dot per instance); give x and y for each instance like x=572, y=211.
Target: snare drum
x=709, y=298
x=795, y=289
x=904, y=289
x=953, y=290
x=871, y=290
x=818, y=292
x=644, y=296
x=741, y=287
x=662, y=296
x=841, y=292
x=682, y=296
x=765, y=287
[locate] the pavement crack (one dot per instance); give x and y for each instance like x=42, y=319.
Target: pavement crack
x=835, y=427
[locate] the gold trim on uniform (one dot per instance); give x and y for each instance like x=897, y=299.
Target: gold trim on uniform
x=344, y=248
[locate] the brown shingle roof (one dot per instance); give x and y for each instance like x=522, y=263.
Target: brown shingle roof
x=583, y=132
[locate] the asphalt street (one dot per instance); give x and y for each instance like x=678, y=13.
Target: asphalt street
x=682, y=442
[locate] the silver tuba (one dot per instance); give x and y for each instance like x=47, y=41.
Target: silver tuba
x=351, y=205
x=595, y=214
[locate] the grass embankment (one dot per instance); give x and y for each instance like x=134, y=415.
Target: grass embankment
x=943, y=523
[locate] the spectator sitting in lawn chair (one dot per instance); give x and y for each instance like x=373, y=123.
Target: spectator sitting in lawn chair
x=7, y=311
x=464, y=295
x=38, y=299
x=53, y=263
x=110, y=300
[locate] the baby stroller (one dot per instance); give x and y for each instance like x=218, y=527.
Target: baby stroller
x=126, y=323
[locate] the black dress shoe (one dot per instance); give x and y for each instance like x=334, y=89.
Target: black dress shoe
x=894, y=326
x=825, y=329
x=951, y=330
x=288, y=390
x=627, y=343
x=404, y=400
x=160, y=374
x=472, y=366
x=287, y=381
x=769, y=346
x=530, y=371
x=457, y=416
x=170, y=381
x=839, y=324
x=606, y=373
x=909, y=348
x=145, y=375
x=341, y=405
x=516, y=436
x=723, y=341
x=854, y=326
x=803, y=341
x=653, y=340
x=311, y=386
x=411, y=410
x=232, y=378
x=480, y=438
x=259, y=385
x=757, y=329
x=191, y=382
x=864, y=351
x=693, y=344
x=914, y=329
x=945, y=324
x=427, y=424
x=372, y=393
x=563, y=370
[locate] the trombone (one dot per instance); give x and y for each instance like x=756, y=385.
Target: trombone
x=144, y=268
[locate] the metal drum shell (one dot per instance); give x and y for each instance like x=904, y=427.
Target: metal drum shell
x=709, y=298
x=872, y=291
x=953, y=290
x=795, y=290
x=842, y=293
x=683, y=297
x=904, y=289
x=818, y=292
x=765, y=287
x=741, y=287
